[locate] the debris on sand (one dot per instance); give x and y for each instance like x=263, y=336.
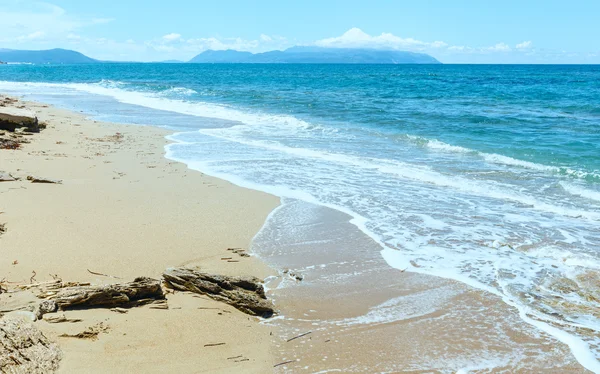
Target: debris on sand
x=59, y=296
x=33, y=179
x=6, y=177
x=91, y=333
x=244, y=293
x=25, y=349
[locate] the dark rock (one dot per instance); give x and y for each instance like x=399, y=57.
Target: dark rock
x=12, y=119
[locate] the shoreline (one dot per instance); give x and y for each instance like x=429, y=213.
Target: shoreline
x=407, y=287
x=125, y=210
x=526, y=318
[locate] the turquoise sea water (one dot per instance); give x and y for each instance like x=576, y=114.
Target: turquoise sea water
x=489, y=175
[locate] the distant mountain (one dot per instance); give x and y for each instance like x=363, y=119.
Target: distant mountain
x=51, y=56
x=227, y=56
x=316, y=55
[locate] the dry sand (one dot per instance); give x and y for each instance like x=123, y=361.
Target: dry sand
x=124, y=210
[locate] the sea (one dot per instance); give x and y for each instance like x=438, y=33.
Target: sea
x=487, y=175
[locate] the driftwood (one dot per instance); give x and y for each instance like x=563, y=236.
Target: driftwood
x=284, y=363
x=60, y=318
x=299, y=336
x=244, y=293
x=214, y=344
x=33, y=179
x=24, y=349
x=140, y=291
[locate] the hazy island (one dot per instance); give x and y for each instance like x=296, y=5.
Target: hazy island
x=294, y=55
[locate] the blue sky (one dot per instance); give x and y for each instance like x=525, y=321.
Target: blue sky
x=457, y=31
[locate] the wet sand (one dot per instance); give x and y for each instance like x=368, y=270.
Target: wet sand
x=365, y=316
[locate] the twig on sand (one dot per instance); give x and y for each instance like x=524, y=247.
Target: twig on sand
x=213, y=344
x=234, y=357
x=32, y=279
x=299, y=336
x=284, y=363
x=103, y=275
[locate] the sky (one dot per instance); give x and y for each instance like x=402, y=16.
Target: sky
x=453, y=31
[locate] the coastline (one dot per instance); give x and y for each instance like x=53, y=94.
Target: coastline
x=125, y=210
x=123, y=188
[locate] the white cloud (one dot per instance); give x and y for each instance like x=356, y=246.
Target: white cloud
x=439, y=44
x=524, y=45
x=37, y=35
x=356, y=38
x=171, y=37
x=24, y=21
x=500, y=47
x=239, y=44
x=265, y=38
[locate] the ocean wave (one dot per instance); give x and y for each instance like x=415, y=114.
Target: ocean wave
x=495, y=158
x=172, y=99
x=291, y=124
x=581, y=191
x=179, y=91
x=419, y=173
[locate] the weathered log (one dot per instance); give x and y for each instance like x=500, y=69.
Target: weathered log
x=24, y=349
x=141, y=291
x=244, y=293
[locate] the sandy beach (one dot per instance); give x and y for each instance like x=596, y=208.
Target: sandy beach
x=124, y=210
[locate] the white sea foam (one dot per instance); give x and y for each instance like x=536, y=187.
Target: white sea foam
x=403, y=307
x=581, y=191
x=180, y=91
x=436, y=144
